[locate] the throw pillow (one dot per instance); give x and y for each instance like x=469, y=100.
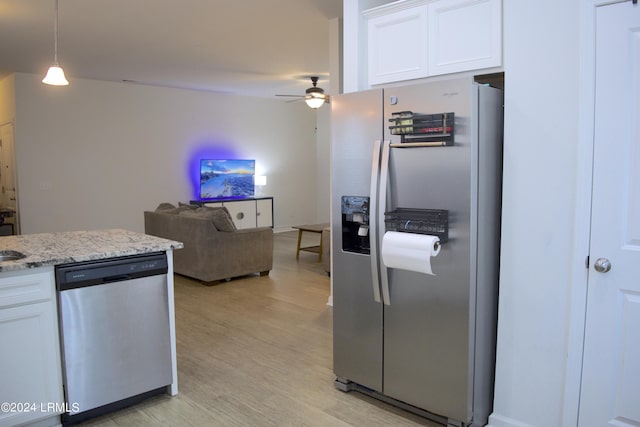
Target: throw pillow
x=220, y=217
x=187, y=205
x=163, y=207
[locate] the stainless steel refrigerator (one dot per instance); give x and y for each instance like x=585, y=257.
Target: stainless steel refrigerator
x=424, y=160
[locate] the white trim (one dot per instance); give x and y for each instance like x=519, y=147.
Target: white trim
x=393, y=7
x=496, y=420
x=172, y=389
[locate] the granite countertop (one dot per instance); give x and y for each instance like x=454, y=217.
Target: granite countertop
x=48, y=249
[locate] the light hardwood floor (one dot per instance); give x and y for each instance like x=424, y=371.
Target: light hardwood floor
x=257, y=351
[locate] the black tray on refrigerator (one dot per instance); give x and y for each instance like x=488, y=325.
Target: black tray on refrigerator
x=413, y=127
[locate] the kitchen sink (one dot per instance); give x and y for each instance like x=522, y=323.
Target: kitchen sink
x=11, y=255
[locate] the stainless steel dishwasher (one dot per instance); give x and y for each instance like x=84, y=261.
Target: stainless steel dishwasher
x=114, y=324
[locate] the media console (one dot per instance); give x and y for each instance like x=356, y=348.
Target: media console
x=246, y=213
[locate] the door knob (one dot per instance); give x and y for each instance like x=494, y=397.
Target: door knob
x=602, y=265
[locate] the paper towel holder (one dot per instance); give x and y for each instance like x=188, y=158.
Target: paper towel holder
x=436, y=245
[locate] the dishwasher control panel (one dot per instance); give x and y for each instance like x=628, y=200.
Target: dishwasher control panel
x=97, y=272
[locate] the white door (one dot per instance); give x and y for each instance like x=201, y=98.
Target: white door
x=611, y=364
x=8, y=193
x=7, y=177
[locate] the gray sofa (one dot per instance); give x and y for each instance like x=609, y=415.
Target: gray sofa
x=210, y=254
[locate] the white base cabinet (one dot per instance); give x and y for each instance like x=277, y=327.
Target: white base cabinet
x=264, y=212
x=243, y=213
x=30, y=365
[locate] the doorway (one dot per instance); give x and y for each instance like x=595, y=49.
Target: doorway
x=9, y=218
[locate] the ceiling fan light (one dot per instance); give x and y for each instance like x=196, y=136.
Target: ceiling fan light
x=314, y=102
x=315, y=91
x=55, y=77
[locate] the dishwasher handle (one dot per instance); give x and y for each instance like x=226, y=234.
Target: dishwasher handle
x=117, y=278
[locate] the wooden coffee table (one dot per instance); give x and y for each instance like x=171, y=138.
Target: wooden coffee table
x=310, y=228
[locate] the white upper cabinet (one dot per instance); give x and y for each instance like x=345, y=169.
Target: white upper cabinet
x=464, y=35
x=412, y=39
x=393, y=52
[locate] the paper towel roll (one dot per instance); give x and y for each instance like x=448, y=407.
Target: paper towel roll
x=409, y=251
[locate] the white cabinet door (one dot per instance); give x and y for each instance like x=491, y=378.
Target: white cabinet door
x=243, y=213
x=265, y=212
x=397, y=45
x=464, y=35
x=30, y=358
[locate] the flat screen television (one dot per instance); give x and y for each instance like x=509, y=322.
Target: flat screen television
x=226, y=178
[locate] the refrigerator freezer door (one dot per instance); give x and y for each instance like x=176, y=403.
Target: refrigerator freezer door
x=356, y=122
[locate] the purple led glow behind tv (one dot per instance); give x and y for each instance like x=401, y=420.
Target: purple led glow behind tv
x=226, y=178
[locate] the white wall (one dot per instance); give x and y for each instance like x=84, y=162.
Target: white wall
x=541, y=41
x=97, y=154
x=323, y=163
x=323, y=136
x=7, y=99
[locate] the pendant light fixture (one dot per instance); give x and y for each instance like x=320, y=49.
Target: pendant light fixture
x=55, y=75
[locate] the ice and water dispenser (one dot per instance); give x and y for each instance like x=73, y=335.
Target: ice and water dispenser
x=355, y=224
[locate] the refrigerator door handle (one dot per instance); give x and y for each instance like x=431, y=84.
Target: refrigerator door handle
x=373, y=233
x=382, y=207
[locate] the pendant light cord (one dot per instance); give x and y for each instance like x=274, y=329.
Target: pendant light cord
x=55, y=75
x=55, y=38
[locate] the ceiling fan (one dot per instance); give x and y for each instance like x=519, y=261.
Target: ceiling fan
x=314, y=96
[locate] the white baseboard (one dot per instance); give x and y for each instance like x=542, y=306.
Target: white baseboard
x=282, y=229
x=497, y=420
